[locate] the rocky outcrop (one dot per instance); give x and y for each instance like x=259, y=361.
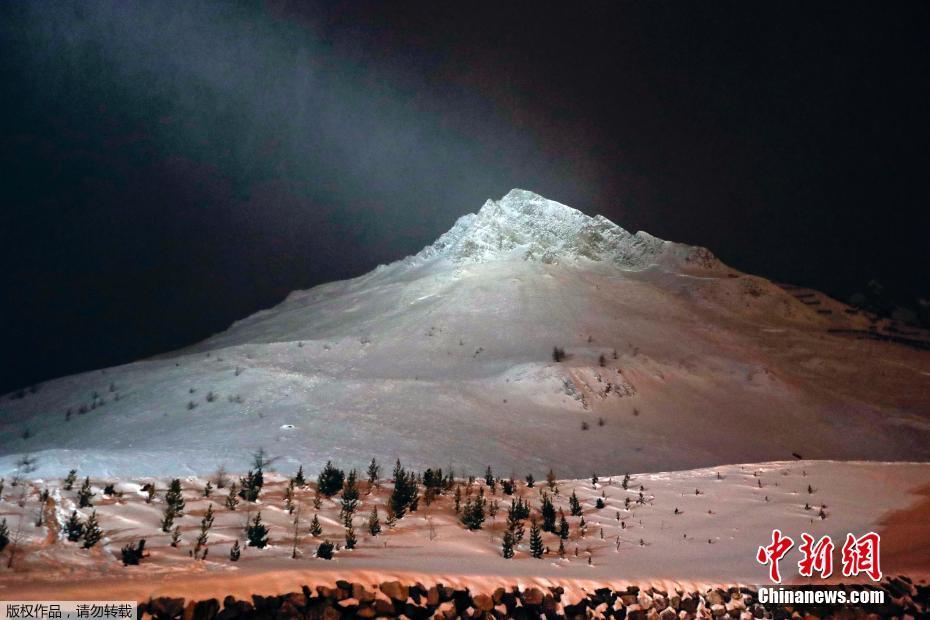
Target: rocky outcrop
x=393, y=599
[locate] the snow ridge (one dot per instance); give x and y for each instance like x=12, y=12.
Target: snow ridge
x=530, y=227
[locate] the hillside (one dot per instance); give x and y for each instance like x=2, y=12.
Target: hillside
x=445, y=358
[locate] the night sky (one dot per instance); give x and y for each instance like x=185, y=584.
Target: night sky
x=169, y=167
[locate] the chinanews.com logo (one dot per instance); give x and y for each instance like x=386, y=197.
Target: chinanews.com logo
x=859, y=556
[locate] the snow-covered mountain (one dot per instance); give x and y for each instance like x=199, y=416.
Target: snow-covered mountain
x=673, y=361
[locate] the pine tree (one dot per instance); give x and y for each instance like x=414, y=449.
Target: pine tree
x=507, y=545
x=167, y=520
x=601, y=360
x=4, y=535
x=232, y=498
x=73, y=528
x=457, y=499
x=548, y=514
x=234, y=552
x=489, y=476
x=299, y=479
x=600, y=503
x=84, y=495
x=550, y=479
x=257, y=532
x=251, y=485
x=176, y=536
x=330, y=480
x=574, y=505
x=530, y=481
x=582, y=527
x=349, y=497
x=536, y=542
x=473, y=515
x=205, y=524
x=174, y=498
x=374, y=524
x=351, y=540
x=404, y=497
x=315, y=528
x=208, y=489
x=92, y=531
x=132, y=554
x=374, y=472
x=70, y=480
x=563, y=526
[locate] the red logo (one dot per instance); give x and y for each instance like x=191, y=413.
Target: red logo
x=859, y=555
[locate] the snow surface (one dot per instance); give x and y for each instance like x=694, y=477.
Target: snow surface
x=444, y=358
x=725, y=514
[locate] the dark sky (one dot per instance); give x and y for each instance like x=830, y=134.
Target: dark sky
x=169, y=167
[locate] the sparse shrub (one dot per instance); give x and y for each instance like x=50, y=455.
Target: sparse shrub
x=584, y=426
x=325, y=550
x=530, y=481
x=191, y=405
x=211, y=396
x=176, y=536
x=132, y=554
x=601, y=360
x=234, y=552
x=208, y=489
x=558, y=354
x=600, y=503
x=109, y=490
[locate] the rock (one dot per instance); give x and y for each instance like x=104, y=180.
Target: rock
x=165, y=608
x=483, y=602
x=432, y=597
x=533, y=596
x=395, y=590
x=361, y=594
x=498, y=595
x=668, y=614
x=718, y=610
x=715, y=597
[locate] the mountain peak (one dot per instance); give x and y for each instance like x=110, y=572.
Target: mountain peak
x=526, y=226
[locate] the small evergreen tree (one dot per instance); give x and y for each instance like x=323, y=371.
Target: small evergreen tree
x=4, y=535
x=92, y=531
x=174, y=498
x=85, y=495
x=563, y=526
x=325, y=550
x=176, y=536
x=73, y=528
x=315, y=528
x=349, y=497
x=561, y=548
x=489, y=476
x=205, y=524
x=167, y=520
x=257, y=532
x=601, y=360
x=330, y=480
x=558, y=354
x=507, y=545
x=548, y=514
x=574, y=505
x=550, y=479
x=232, y=498
x=600, y=503
x=208, y=489
x=374, y=524
x=404, y=497
x=457, y=499
x=536, y=542
x=70, y=479
x=473, y=515
x=234, y=552
x=299, y=479
x=351, y=540
x=251, y=485
x=374, y=473
x=530, y=481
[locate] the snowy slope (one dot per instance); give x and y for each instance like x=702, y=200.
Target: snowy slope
x=444, y=358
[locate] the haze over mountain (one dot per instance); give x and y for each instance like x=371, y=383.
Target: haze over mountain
x=445, y=358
